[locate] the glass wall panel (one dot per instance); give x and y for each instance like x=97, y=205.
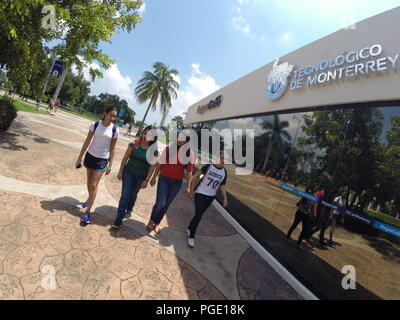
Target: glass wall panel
x=349, y=157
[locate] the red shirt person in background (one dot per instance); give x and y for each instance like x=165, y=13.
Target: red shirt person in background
x=171, y=171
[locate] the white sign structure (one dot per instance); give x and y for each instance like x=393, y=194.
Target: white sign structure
x=346, y=65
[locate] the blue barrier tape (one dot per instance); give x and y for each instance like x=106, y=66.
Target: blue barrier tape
x=360, y=217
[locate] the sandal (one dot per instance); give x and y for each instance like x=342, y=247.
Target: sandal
x=157, y=229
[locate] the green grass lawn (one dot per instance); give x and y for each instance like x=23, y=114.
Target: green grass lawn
x=384, y=218
x=86, y=115
x=22, y=106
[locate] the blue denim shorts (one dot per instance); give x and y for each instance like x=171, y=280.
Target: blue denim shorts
x=96, y=164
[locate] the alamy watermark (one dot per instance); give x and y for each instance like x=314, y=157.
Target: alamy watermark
x=349, y=281
x=49, y=280
x=204, y=146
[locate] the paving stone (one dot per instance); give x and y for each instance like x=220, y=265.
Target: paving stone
x=15, y=233
x=6, y=218
x=71, y=221
x=10, y=288
x=29, y=217
x=181, y=292
x=102, y=285
x=172, y=271
x=24, y=260
x=122, y=269
x=79, y=261
x=52, y=220
x=64, y=231
x=102, y=256
x=152, y=280
x=54, y=245
x=37, y=286
x=40, y=232
x=210, y=293
x=5, y=248
x=71, y=282
x=131, y=289
x=85, y=239
x=107, y=241
x=57, y=262
x=193, y=279
x=147, y=255
x=154, y=295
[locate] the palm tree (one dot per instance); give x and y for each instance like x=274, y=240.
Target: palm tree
x=159, y=87
x=179, y=121
x=276, y=132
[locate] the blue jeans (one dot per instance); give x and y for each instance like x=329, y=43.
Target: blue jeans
x=167, y=189
x=130, y=188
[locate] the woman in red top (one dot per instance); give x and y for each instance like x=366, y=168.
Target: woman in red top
x=171, y=171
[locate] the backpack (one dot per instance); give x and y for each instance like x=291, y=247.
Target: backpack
x=114, y=129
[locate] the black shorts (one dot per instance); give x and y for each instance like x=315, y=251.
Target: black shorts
x=96, y=164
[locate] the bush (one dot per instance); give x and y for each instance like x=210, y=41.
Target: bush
x=8, y=113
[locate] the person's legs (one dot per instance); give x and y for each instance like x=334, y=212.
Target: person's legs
x=136, y=185
x=306, y=222
x=324, y=226
x=89, y=175
x=174, y=187
x=333, y=228
x=126, y=194
x=201, y=202
x=94, y=183
x=297, y=219
x=162, y=192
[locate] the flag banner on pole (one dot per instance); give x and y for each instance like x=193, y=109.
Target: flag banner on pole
x=57, y=69
x=121, y=113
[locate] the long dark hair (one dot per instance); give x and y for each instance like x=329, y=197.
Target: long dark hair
x=110, y=109
x=148, y=128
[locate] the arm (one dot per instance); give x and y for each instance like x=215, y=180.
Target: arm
x=194, y=181
x=124, y=161
x=223, y=190
x=148, y=177
x=157, y=171
x=84, y=147
x=112, y=152
x=189, y=177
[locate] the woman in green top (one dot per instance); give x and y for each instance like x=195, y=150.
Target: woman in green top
x=135, y=172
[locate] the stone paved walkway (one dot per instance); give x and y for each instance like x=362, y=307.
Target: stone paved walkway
x=40, y=231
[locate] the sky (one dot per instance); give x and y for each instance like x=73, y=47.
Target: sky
x=214, y=42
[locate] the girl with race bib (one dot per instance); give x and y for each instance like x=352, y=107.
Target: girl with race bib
x=214, y=179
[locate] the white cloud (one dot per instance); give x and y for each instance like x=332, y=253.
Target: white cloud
x=199, y=85
x=113, y=82
x=196, y=68
x=240, y=23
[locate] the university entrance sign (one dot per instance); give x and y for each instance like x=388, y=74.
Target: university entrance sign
x=348, y=65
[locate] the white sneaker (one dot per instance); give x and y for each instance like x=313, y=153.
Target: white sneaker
x=191, y=242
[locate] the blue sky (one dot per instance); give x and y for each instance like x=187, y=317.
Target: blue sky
x=214, y=42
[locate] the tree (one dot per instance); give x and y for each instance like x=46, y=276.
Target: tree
x=388, y=176
x=157, y=87
x=179, y=121
x=276, y=133
x=346, y=144
x=81, y=26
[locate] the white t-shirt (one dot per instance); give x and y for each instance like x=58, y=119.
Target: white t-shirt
x=213, y=179
x=340, y=202
x=101, y=143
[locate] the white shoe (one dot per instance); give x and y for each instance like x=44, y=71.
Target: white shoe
x=191, y=242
